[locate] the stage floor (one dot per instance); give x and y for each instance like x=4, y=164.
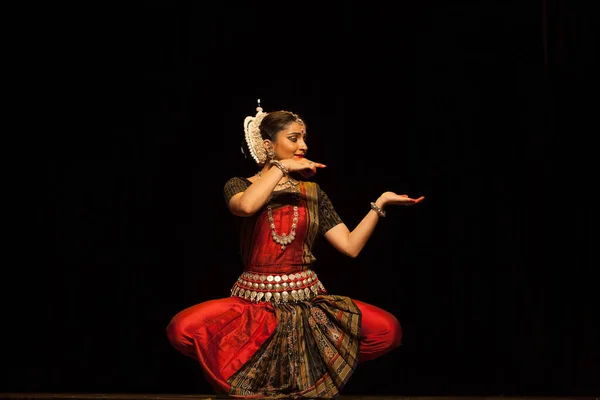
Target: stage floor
x=145, y=396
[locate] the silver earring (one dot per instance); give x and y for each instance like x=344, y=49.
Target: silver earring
x=270, y=152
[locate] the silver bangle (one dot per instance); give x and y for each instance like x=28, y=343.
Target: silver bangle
x=279, y=165
x=378, y=210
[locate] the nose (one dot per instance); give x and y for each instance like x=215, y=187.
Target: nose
x=302, y=145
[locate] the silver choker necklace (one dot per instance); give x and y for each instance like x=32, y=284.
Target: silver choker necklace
x=290, y=183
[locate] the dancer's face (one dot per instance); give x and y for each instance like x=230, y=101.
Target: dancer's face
x=290, y=142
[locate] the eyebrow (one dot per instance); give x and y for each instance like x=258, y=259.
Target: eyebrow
x=296, y=133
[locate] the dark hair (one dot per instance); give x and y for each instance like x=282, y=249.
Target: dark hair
x=270, y=126
x=275, y=121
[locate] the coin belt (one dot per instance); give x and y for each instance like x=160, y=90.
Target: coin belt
x=260, y=287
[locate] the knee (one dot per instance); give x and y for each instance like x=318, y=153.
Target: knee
x=390, y=332
x=381, y=336
x=395, y=330
x=390, y=335
x=177, y=332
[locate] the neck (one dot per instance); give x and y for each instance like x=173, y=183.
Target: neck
x=265, y=169
x=283, y=180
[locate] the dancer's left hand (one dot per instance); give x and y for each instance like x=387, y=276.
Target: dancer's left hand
x=391, y=198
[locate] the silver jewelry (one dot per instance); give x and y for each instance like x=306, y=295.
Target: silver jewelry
x=279, y=165
x=283, y=240
x=260, y=287
x=378, y=210
x=290, y=183
x=253, y=137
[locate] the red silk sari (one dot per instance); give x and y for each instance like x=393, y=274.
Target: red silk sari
x=293, y=349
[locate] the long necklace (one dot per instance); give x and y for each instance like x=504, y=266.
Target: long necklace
x=284, y=239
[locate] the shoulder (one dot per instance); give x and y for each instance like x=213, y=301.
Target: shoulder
x=237, y=181
x=314, y=187
x=311, y=186
x=234, y=186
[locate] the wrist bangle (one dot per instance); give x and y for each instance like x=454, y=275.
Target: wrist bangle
x=279, y=165
x=378, y=210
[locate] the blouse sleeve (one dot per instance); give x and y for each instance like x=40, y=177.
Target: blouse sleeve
x=234, y=186
x=328, y=217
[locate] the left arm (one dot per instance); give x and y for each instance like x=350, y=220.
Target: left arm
x=352, y=243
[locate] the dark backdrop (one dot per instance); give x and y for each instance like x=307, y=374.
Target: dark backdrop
x=482, y=107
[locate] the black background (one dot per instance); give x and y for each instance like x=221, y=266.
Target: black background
x=485, y=108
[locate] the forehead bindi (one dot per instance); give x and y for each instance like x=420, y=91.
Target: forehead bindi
x=294, y=129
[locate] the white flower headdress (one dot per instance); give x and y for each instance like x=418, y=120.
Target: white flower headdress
x=253, y=138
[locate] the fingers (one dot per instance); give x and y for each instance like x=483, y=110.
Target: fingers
x=305, y=167
x=312, y=168
x=314, y=165
x=415, y=201
x=404, y=200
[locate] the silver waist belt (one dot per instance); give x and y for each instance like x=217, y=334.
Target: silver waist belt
x=258, y=287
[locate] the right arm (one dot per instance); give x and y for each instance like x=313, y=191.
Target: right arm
x=248, y=202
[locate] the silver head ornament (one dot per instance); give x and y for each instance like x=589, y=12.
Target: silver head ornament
x=254, y=139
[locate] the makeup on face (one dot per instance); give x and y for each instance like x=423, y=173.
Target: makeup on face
x=291, y=141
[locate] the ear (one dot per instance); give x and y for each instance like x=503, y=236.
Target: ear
x=268, y=144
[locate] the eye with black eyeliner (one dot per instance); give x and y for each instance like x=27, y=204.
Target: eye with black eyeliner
x=294, y=137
